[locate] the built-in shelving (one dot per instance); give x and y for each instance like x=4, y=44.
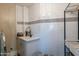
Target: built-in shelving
x=71, y=8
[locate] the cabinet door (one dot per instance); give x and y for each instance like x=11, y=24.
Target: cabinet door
x=46, y=11
x=20, y=46
x=31, y=47
x=26, y=14
x=19, y=11
x=19, y=18
x=34, y=12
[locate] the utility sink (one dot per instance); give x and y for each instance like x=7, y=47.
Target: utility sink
x=25, y=37
x=28, y=38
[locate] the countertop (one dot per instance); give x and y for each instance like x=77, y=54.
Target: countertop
x=27, y=38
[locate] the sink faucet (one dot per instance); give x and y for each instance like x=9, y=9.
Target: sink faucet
x=28, y=31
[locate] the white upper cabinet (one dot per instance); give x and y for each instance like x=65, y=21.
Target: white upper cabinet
x=26, y=13
x=42, y=11
x=21, y=16
x=34, y=12
x=19, y=13
x=52, y=10
x=45, y=10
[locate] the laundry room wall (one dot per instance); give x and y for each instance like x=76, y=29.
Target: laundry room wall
x=50, y=27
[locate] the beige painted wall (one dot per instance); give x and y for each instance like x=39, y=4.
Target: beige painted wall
x=8, y=24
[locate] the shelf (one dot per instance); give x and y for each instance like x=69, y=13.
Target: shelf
x=73, y=7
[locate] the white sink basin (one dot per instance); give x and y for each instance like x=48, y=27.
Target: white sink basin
x=27, y=38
